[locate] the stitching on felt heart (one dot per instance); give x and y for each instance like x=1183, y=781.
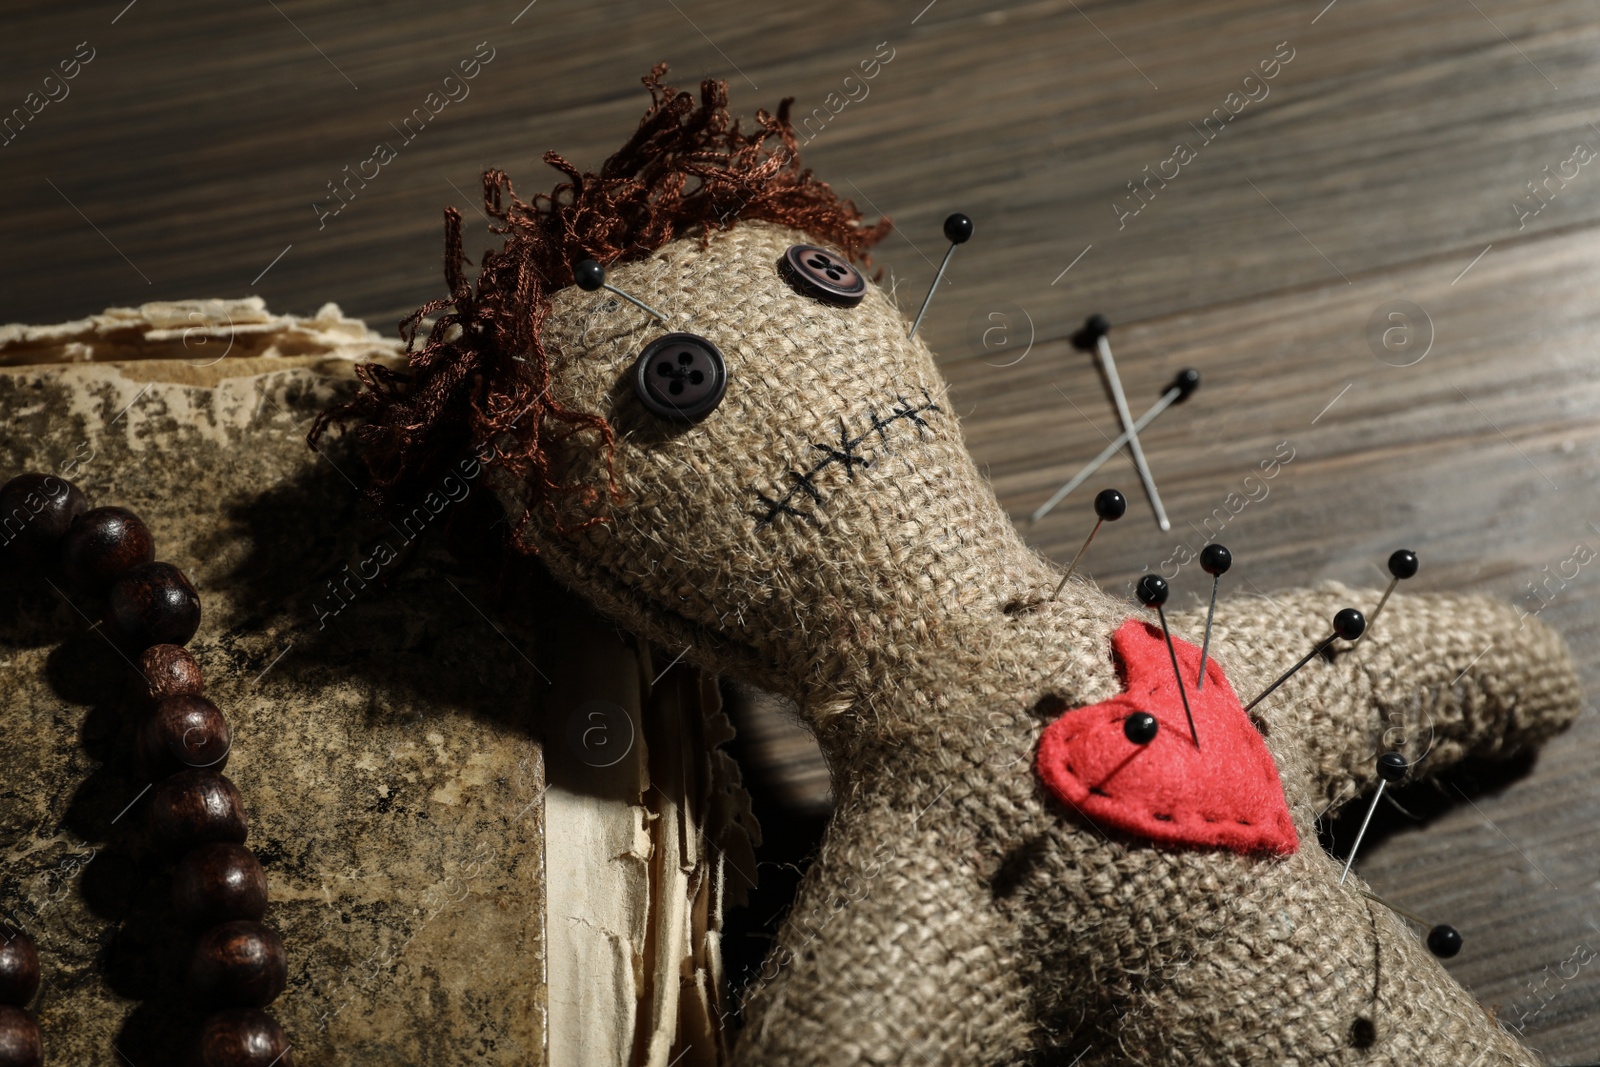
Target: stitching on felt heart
x=1215, y=797
x=1149, y=809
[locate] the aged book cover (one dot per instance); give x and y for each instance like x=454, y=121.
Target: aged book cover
x=496, y=829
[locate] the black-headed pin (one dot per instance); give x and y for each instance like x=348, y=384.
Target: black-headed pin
x=1215, y=561
x=1391, y=768
x=591, y=275
x=958, y=229
x=1444, y=940
x=1109, y=506
x=1140, y=727
x=1402, y=565
x=1349, y=624
x=1152, y=593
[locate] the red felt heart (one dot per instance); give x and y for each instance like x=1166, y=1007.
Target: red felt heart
x=1224, y=794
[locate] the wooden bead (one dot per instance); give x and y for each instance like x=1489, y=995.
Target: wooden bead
x=183, y=732
x=242, y=1037
x=36, y=510
x=20, y=1042
x=240, y=964
x=169, y=670
x=102, y=543
x=19, y=968
x=195, y=808
x=218, y=882
x=153, y=604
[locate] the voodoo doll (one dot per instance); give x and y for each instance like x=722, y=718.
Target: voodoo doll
x=749, y=458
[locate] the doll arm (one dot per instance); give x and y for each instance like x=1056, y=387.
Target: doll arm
x=1438, y=677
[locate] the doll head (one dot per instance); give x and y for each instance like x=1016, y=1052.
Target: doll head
x=773, y=477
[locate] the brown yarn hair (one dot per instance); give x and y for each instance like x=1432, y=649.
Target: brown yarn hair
x=479, y=383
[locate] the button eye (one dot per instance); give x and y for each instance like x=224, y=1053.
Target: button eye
x=680, y=376
x=825, y=275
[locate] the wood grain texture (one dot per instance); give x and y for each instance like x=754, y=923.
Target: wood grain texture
x=1386, y=157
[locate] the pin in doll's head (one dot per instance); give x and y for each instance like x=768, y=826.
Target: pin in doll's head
x=825, y=495
x=773, y=478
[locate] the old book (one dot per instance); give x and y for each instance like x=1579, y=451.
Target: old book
x=496, y=830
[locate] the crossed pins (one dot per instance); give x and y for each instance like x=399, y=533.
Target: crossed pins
x=1093, y=338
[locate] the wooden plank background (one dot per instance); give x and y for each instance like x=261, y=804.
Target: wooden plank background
x=1385, y=163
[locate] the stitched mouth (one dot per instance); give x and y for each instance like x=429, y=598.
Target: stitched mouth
x=849, y=452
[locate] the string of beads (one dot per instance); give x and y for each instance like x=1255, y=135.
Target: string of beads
x=194, y=814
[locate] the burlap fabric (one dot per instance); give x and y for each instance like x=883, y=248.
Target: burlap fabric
x=955, y=915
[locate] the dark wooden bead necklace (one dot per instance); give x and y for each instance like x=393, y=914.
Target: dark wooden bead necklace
x=194, y=814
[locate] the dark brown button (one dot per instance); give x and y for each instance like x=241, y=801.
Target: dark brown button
x=825, y=275
x=680, y=376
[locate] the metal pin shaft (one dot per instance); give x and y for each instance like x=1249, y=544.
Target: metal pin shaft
x=1205, y=646
x=636, y=303
x=1363, y=831
x=1419, y=920
x=1384, y=599
x=1167, y=400
x=1103, y=346
x=929, y=298
x=1177, y=674
x=1074, y=564
x=1309, y=656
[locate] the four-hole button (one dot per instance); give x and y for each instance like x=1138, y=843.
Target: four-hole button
x=680, y=376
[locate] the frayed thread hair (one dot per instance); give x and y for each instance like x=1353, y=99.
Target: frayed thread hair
x=479, y=383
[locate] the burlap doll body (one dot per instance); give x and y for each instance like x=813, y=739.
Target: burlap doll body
x=823, y=533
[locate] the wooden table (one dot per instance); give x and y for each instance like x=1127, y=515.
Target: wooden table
x=1388, y=159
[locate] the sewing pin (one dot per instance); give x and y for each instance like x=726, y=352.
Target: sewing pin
x=1109, y=506
x=1391, y=768
x=1152, y=593
x=958, y=229
x=1215, y=561
x=1185, y=383
x=1140, y=727
x=591, y=275
x=1349, y=624
x=1402, y=565
x=1444, y=940
x=1094, y=332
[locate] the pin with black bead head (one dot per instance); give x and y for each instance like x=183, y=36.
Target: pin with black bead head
x=591, y=276
x=1349, y=624
x=1141, y=727
x=1152, y=593
x=1402, y=565
x=1215, y=561
x=958, y=230
x=1109, y=506
x=1092, y=338
x=1391, y=768
x=1444, y=940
